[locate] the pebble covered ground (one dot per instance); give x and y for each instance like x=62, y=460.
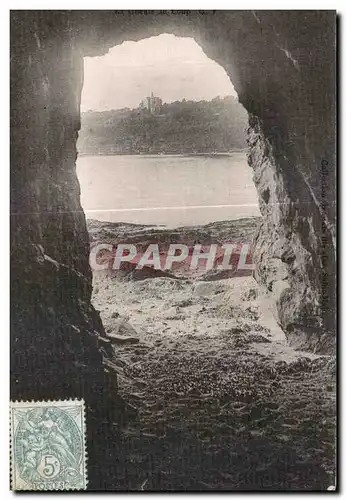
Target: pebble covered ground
x=222, y=402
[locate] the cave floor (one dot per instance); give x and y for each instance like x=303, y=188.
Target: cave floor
x=222, y=402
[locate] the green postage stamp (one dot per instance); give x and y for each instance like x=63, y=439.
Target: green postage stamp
x=48, y=445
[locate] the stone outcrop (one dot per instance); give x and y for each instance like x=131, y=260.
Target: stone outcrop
x=282, y=65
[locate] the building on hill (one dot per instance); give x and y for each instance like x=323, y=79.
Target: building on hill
x=152, y=103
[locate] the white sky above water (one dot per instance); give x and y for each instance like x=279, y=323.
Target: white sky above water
x=171, y=67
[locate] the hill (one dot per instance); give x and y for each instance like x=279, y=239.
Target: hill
x=216, y=126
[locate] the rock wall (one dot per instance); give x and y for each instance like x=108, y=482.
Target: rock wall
x=282, y=66
x=55, y=330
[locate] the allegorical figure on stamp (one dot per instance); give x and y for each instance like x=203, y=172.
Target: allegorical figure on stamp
x=48, y=445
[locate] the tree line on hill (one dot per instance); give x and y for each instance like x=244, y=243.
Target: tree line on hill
x=181, y=127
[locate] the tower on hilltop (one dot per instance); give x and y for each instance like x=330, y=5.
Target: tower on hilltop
x=152, y=103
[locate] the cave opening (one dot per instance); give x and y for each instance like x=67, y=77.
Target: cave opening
x=162, y=163
x=171, y=210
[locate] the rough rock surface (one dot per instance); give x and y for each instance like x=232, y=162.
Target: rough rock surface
x=282, y=65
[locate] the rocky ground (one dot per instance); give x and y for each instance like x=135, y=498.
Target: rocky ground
x=223, y=403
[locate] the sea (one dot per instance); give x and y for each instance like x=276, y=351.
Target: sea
x=168, y=190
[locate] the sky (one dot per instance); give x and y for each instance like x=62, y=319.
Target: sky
x=171, y=67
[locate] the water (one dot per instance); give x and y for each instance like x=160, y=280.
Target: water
x=171, y=190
